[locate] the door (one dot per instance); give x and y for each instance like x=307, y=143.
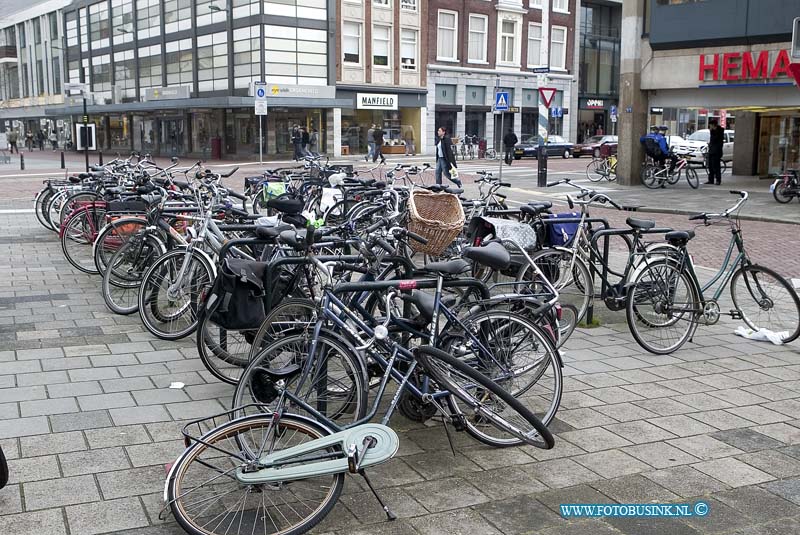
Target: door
x=173, y=137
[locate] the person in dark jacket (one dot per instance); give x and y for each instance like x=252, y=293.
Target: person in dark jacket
x=509, y=140
x=304, y=138
x=715, y=142
x=445, y=159
x=377, y=138
x=297, y=142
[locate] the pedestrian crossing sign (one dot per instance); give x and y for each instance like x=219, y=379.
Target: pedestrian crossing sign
x=501, y=101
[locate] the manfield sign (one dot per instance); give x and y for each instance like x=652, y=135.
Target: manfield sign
x=376, y=101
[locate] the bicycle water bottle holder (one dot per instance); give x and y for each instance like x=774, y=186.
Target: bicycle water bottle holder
x=280, y=466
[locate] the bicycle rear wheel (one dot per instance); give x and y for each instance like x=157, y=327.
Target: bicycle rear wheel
x=650, y=177
x=485, y=400
x=574, y=284
x=206, y=498
x=596, y=170
x=125, y=271
x=77, y=236
x=113, y=236
x=766, y=301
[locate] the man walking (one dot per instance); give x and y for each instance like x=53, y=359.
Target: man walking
x=715, y=142
x=509, y=140
x=408, y=137
x=377, y=136
x=445, y=159
x=297, y=141
x=13, y=137
x=370, y=143
x=304, y=139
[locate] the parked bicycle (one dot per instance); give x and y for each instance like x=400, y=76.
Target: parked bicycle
x=786, y=187
x=659, y=175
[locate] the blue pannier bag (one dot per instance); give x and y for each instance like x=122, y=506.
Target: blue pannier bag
x=562, y=233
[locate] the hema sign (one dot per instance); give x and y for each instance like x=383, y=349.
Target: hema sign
x=376, y=101
x=744, y=65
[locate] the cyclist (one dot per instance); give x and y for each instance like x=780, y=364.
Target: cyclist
x=656, y=146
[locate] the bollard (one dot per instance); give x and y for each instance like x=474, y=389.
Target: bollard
x=63, y=166
x=22, y=162
x=101, y=158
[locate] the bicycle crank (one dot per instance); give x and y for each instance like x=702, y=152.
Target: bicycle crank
x=711, y=312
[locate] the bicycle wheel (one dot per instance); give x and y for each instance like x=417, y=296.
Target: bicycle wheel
x=334, y=383
x=766, y=300
x=567, y=273
x=3, y=469
x=168, y=306
x=596, y=170
x=289, y=316
x=567, y=323
x=206, y=498
x=780, y=193
x=490, y=154
x=650, y=177
x=487, y=403
x=74, y=201
x=663, y=307
x=125, y=271
x=40, y=205
x=224, y=352
x=78, y=235
x=53, y=208
x=112, y=236
x=673, y=178
x=691, y=178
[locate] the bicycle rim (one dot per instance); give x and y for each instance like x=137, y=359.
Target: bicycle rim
x=766, y=301
x=77, y=238
x=125, y=271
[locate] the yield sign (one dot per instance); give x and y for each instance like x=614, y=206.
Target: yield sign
x=547, y=93
x=794, y=69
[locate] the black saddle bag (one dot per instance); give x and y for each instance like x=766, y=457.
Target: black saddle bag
x=236, y=300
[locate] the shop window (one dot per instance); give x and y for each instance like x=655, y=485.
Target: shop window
x=212, y=62
x=122, y=21
x=148, y=18
x=381, y=45
x=99, y=25
x=382, y=3
x=246, y=8
x=150, y=67
x=177, y=15
x=179, y=62
x=508, y=48
x=478, y=25
x=558, y=47
x=447, y=36
x=246, y=57
x=475, y=124
x=351, y=42
x=211, y=11
x=408, y=50
x=446, y=120
x=534, y=44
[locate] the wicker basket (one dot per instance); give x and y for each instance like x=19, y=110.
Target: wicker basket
x=438, y=217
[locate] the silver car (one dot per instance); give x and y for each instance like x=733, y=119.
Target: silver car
x=697, y=144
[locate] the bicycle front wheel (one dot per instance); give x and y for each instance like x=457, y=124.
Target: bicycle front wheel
x=77, y=236
x=206, y=498
x=486, y=401
x=650, y=177
x=692, y=178
x=123, y=275
x=596, y=170
x=663, y=307
x=766, y=301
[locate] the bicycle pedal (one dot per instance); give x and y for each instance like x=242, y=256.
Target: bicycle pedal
x=737, y=315
x=352, y=459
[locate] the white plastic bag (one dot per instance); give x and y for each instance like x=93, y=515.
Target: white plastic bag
x=761, y=335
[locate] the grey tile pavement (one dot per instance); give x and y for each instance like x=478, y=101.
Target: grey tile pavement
x=89, y=423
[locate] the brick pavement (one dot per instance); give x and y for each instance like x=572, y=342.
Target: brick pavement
x=88, y=423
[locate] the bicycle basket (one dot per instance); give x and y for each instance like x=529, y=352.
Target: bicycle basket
x=438, y=217
x=486, y=228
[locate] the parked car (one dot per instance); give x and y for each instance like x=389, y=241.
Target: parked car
x=591, y=147
x=697, y=143
x=555, y=146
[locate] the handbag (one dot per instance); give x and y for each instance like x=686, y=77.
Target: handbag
x=453, y=172
x=236, y=299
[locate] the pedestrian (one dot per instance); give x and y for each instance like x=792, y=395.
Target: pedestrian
x=13, y=137
x=509, y=141
x=377, y=137
x=445, y=159
x=297, y=142
x=313, y=142
x=408, y=137
x=370, y=143
x=599, y=130
x=54, y=140
x=40, y=137
x=715, y=142
x=29, y=140
x=304, y=139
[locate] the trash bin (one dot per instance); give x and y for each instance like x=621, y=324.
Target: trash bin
x=216, y=148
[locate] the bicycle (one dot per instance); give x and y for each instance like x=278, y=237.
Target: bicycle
x=602, y=168
x=667, y=291
x=655, y=176
x=786, y=187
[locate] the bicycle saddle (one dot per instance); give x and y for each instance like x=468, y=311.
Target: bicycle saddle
x=449, y=267
x=76, y=179
x=679, y=237
x=533, y=210
x=424, y=302
x=493, y=255
x=286, y=205
x=544, y=205
x=268, y=233
x=640, y=224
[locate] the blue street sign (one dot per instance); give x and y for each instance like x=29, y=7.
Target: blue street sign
x=501, y=101
x=556, y=112
x=260, y=93
x=613, y=111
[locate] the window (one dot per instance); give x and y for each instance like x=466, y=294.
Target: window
x=381, y=45
x=101, y=77
x=211, y=11
x=561, y=5
x=56, y=61
x=302, y=9
x=351, y=42
x=99, y=25
x=296, y=57
x=534, y=44
x=72, y=29
x=150, y=68
x=508, y=30
x=148, y=18
x=408, y=50
x=39, y=77
x=212, y=62
x=53, y=20
x=408, y=5
x=382, y=3
x=676, y=2
x=477, y=38
x=37, y=31
x=122, y=21
x=448, y=34
x=246, y=57
x=246, y=8
x=125, y=75
x=177, y=15
x=537, y=4
x=179, y=62
x=558, y=47
x=84, y=29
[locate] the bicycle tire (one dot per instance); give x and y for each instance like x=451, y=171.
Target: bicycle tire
x=778, y=193
x=290, y=315
x=654, y=288
x=441, y=366
x=567, y=323
x=222, y=442
x=77, y=234
x=692, y=178
x=3, y=469
x=71, y=203
x=121, y=285
x=53, y=209
x=40, y=205
x=155, y=316
x=650, y=177
x=594, y=170
x=791, y=304
x=113, y=236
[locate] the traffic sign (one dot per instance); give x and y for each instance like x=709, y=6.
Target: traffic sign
x=796, y=39
x=547, y=94
x=613, y=111
x=541, y=70
x=261, y=107
x=260, y=91
x=556, y=112
x=501, y=101
x=794, y=70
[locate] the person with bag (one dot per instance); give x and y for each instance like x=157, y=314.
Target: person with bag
x=509, y=141
x=715, y=143
x=445, y=159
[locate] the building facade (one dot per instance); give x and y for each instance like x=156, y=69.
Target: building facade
x=734, y=70
x=598, y=80
x=478, y=46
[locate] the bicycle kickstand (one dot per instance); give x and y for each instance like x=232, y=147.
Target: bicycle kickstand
x=354, y=460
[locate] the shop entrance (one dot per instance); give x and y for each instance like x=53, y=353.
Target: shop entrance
x=778, y=144
x=172, y=139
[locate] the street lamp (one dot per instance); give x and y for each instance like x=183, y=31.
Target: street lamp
x=214, y=7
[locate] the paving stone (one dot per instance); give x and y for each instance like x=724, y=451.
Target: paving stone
x=602, y=380
x=720, y=518
x=60, y=492
x=505, y=482
x=772, y=392
x=446, y=494
x=639, y=432
x=159, y=356
x=660, y=455
x=130, y=347
x=671, y=372
x=564, y=449
x=488, y=458
x=107, y=516
x=757, y=503
x=611, y=463
x=398, y=527
x=704, y=447
x=67, y=390
x=9, y=395
x=747, y=439
x=682, y=425
x=760, y=415
x=45, y=407
x=703, y=402
x=140, y=415
x=789, y=407
x=576, y=400
x=42, y=378
x=733, y=472
x=685, y=481
x=10, y=501
x=518, y=515
x=583, y=418
x=157, y=396
x=773, y=462
x=92, y=374
x=664, y=407
x=595, y=439
x=559, y=473
x=54, y=443
x=738, y=397
x=788, y=489
x=117, y=436
x=50, y=522
x=102, y=361
x=156, y=453
x=721, y=419
x=106, y=401
x=9, y=411
x=393, y=474
x=131, y=482
x=625, y=412
x=79, y=420
x=209, y=391
x=93, y=461
x=614, y=394
x=581, y=527
x=32, y=469
x=22, y=427
x=650, y=390
x=127, y=384
x=83, y=351
x=366, y=509
x=69, y=363
x=784, y=432
x=40, y=354
x=634, y=489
